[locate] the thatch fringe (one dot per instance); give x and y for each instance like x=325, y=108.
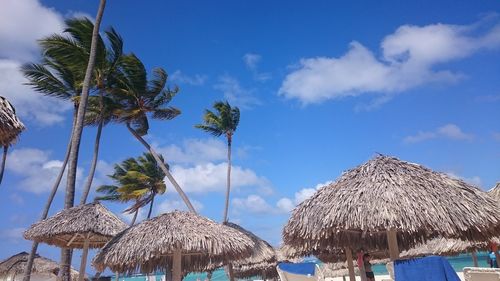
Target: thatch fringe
x=149, y=245
x=70, y=225
x=15, y=265
x=10, y=125
x=265, y=270
x=495, y=192
x=262, y=252
x=387, y=193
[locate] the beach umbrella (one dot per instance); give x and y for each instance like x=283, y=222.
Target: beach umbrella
x=82, y=227
x=262, y=258
x=42, y=267
x=389, y=203
x=10, y=125
x=495, y=192
x=180, y=241
x=10, y=128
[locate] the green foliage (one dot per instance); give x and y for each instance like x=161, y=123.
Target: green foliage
x=223, y=122
x=136, y=179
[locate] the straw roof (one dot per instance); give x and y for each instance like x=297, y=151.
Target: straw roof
x=10, y=125
x=387, y=193
x=266, y=270
x=495, y=192
x=61, y=228
x=262, y=251
x=15, y=265
x=149, y=245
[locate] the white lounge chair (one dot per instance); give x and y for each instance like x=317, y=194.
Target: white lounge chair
x=481, y=274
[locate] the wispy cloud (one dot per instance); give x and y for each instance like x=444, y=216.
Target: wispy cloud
x=236, y=94
x=195, y=80
x=408, y=60
x=448, y=131
x=474, y=180
x=286, y=204
x=496, y=136
x=252, y=61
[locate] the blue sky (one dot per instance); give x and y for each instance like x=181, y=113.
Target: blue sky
x=322, y=85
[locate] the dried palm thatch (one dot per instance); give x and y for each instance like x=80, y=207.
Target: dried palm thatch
x=385, y=194
x=495, y=192
x=262, y=252
x=15, y=266
x=443, y=247
x=266, y=270
x=10, y=125
x=151, y=245
x=70, y=227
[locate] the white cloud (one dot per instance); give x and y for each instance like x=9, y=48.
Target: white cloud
x=409, y=57
x=474, y=180
x=209, y=177
x=14, y=235
x=169, y=205
x=16, y=198
x=196, y=80
x=448, y=131
x=235, y=94
x=194, y=151
x=22, y=23
x=286, y=204
x=29, y=104
x=36, y=169
x=253, y=204
x=251, y=61
x=18, y=36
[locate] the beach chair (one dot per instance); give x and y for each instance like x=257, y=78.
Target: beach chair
x=390, y=270
x=481, y=274
x=290, y=276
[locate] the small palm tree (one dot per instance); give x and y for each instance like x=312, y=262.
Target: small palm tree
x=223, y=122
x=138, y=180
x=139, y=98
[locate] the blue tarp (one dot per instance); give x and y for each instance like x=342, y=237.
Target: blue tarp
x=431, y=268
x=306, y=268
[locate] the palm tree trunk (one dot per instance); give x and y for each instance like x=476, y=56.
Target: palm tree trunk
x=4, y=159
x=77, y=136
x=93, y=165
x=151, y=206
x=164, y=168
x=46, y=209
x=228, y=182
x=133, y=219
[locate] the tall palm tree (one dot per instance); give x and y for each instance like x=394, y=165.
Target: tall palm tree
x=139, y=98
x=223, y=122
x=61, y=73
x=138, y=180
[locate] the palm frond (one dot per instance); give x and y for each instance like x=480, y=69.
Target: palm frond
x=166, y=113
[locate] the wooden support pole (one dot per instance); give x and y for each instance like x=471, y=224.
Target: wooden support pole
x=474, y=258
x=83, y=263
x=177, y=265
x=392, y=241
x=350, y=264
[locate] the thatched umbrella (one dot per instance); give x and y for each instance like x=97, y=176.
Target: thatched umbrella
x=15, y=265
x=10, y=128
x=263, y=257
x=495, y=192
x=177, y=240
x=391, y=203
x=82, y=227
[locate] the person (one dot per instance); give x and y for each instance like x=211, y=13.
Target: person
x=368, y=267
x=492, y=259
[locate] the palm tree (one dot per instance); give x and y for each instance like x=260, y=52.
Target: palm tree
x=138, y=180
x=61, y=73
x=223, y=122
x=139, y=98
